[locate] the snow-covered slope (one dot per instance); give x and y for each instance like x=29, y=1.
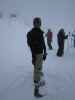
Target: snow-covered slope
x=16, y=68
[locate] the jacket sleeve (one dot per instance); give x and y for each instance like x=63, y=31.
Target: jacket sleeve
x=28, y=39
x=44, y=46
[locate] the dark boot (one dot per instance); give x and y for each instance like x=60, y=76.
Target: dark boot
x=42, y=83
x=50, y=47
x=59, y=52
x=36, y=92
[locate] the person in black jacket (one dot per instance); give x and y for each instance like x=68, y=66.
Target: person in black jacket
x=35, y=41
x=61, y=39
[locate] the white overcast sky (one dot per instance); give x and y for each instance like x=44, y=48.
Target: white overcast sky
x=54, y=13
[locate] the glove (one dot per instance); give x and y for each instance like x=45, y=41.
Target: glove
x=66, y=37
x=44, y=56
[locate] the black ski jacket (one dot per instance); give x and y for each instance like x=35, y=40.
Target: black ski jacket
x=61, y=39
x=35, y=41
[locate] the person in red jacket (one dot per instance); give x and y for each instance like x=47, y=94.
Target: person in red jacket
x=49, y=38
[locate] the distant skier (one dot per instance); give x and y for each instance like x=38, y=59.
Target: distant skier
x=61, y=39
x=35, y=41
x=73, y=35
x=49, y=38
